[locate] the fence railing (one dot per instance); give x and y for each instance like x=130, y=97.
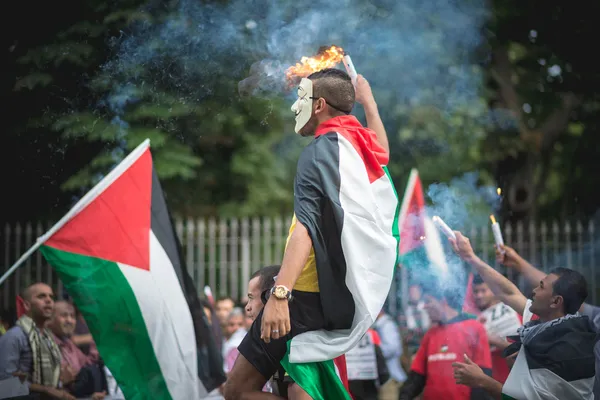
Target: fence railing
x=223, y=253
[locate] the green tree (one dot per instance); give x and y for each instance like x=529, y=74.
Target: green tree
x=215, y=153
x=546, y=85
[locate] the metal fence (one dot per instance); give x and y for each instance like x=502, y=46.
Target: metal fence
x=223, y=253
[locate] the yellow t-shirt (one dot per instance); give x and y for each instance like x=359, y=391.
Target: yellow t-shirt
x=308, y=280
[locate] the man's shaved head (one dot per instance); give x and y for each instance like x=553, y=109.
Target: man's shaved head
x=32, y=289
x=336, y=87
x=39, y=302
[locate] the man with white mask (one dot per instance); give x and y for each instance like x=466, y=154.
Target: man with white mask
x=310, y=295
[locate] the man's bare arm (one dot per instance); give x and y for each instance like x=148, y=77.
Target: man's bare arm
x=512, y=259
x=364, y=95
x=492, y=387
x=276, y=316
x=295, y=257
x=375, y=123
x=502, y=287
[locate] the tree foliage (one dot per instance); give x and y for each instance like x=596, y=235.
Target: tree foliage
x=532, y=129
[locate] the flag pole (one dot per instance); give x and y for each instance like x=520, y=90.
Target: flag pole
x=80, y=205
x=20, y=261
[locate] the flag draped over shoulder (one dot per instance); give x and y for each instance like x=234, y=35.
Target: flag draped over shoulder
x=118, y=256
x=346, y=200
x=556, y=363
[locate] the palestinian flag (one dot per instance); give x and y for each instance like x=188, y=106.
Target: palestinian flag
x=345, y=198
x=469, y=302
x=557, y=364
x=325, y=380
x=420, y=244
x=118, y=256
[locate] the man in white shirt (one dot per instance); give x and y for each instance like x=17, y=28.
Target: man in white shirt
x=500, y=321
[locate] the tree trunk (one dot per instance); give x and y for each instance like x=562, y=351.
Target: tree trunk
x=522, y=186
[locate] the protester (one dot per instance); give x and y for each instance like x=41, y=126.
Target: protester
x=391, y=348
x=235, y=332
x=247, y=318
x=314, y=265
x=85, y=375
x=415, y=320
x=510, y=258
x=499, y=321
x=223, y=307
x=367, y=369
x=4, y=326
x=555, y=358
x=83, y=338
x=455, y=335
x=29, y=348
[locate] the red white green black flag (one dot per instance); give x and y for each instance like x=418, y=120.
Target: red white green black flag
x=118, y=256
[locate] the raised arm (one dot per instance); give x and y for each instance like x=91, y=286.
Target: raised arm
x=501, y=286
x=512, y=259
x=364, y=96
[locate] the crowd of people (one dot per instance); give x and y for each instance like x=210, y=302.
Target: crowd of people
x=436, y=350
x=324, y=303
x=50, y=350
x=432, y=350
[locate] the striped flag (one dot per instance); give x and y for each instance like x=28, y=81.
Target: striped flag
x=469, y=301
x=420, y=244
x=118, y=256
x=345, y=198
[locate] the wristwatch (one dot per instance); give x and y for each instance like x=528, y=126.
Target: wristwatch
x=281, y=292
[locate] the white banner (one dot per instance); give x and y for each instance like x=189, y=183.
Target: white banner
x=361, y=361
x=501, y=320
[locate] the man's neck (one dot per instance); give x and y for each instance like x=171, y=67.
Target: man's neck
x=552, y=316
x=40, y=323
x=450, y=314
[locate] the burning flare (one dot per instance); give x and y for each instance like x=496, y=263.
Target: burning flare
x=325, y=58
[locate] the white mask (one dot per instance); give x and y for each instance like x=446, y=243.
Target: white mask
x=303, y=106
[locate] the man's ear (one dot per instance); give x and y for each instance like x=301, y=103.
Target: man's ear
x=320, y=105
x=557, y=302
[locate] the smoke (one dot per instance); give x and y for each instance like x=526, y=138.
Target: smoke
x=464, y=201
x=413, y=51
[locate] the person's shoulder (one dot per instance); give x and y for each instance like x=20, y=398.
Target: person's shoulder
x=472, y=324
x=324, y=140
x=321, y=148
x=14, y=334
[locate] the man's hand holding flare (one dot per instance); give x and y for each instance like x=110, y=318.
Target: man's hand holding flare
x=462, y=247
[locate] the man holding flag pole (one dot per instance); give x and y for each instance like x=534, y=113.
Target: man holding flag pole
x=118, y=256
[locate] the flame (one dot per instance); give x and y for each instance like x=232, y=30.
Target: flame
x=493, y=219
x=326, y=58
x=499, y=191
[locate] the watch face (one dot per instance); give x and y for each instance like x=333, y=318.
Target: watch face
x=280, y=292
